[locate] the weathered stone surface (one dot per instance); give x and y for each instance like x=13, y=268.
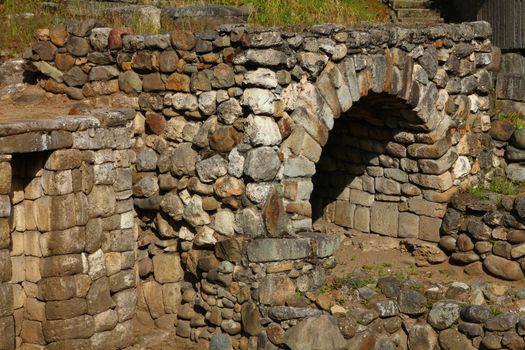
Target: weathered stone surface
x=262, y=164
x=276, y=290
x=263, y=250
x=167, y=268
x=503, y=268
x=315, y=333
x=74, y=328
x=274, y=215
x=443, y=314
x=384, y=218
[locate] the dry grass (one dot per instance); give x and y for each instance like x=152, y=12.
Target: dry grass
x=19, y=29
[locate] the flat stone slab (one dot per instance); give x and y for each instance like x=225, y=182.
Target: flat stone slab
x=324, y=245
x=282, y=313
x=307, y=244
x=95, y=119
x=276, y=249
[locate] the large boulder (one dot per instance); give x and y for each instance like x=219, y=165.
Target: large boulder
x=316, y=333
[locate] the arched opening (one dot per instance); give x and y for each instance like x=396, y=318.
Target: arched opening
x=364, y=179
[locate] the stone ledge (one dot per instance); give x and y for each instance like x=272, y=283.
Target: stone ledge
x=96, y=119
x=308, y=244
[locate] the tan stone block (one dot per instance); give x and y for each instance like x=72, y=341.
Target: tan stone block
x=167, y=268
x=66, y=309
x=113, y=263
x=28, y=346
x=32, y=243
x=30, y=223
x=301, y=143
x=420, y=206
x=33, y=189
x=19, y=217
x=126, y=304
x=18, y=269
x=18, y=315
x=152, y=292
x=6, y=269
x=7, y=331
x=82, y=284
x=99, y=297
x=97, y=265
x=172, y=297
x=361, y=198
x=438, y=182
x=438, y=196
x=344, y=214
x=19, y=296
x=64, y=159
x=17, y=241
x=70, y=344
x=5, y=178
x=5, y=233
x=408, y=225
x=67, y=241
x=31, y=289
x=127, y=259
x=58, y=212
x=429, y=228
x=57, y=182
x=6, y=300
x=122, y=280
x=101, y=201
x=62, y=265
x=57, y=288
x=34, y=310
x=276, y=290
x=384, y=218
x=5, y=206
x=362, y=219
x=73, y=328
x=105, y=321
x=32, y=332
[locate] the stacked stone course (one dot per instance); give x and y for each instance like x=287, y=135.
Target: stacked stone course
x=68, y=246
x=486, y=234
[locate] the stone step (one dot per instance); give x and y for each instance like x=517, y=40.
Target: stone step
x=411, y=4
x=424, y=20
x=405, y=13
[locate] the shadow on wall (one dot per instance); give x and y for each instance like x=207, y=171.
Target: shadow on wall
x=362, y=178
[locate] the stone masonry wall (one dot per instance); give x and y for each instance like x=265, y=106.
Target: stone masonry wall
x=230, y=128
x=67, y=257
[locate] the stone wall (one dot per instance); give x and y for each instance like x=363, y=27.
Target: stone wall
x=67, y=258
x=486, y=233
x=232, y=125
x=510, y=99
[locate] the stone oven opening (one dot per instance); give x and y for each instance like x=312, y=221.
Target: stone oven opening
x=363, y=180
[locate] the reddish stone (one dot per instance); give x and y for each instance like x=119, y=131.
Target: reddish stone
x=274, y=215
x=183, y=39
x=286, y=125
x=228, y=186
x=224, y=138
x=115, y=37
x=64, y=61
x=156, y=123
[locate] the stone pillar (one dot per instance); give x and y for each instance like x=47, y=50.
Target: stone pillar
x=7, y=323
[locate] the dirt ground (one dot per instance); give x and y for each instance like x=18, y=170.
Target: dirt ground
x=33, y=103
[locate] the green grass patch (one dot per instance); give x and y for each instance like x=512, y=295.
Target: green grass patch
x=498, y=185
x=517, y=118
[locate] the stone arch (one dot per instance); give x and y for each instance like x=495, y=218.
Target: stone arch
x=423, y=141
